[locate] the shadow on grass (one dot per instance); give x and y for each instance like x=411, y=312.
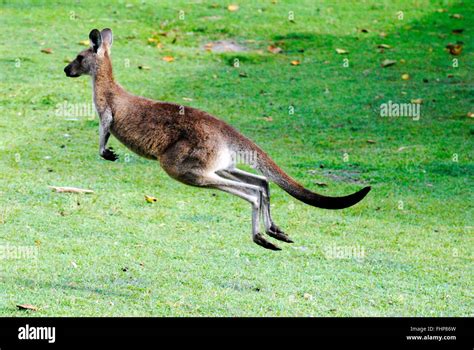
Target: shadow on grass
x=72, y=286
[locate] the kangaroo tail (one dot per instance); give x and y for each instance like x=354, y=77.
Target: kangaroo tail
x=273, y=172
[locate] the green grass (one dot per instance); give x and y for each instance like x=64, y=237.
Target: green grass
x=191, y=254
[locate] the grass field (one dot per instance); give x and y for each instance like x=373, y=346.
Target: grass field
x=406, y=250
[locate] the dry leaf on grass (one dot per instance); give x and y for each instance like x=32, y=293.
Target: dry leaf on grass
x=168, y=58
x=295, y=63
x=388, y=63
x=61, y=189
x=233, y=7
x=144, y=67
x=268, y=119
x=405, y=76
x=342, y=51
x=84, y=42
x=417, y=101
x=454, y=49
x=384, y=46
x=321, y=184
x=456, y=16
x=150, y=199
x=470, y=115
x=274, y=49
x=47, y=51
x=27, y=307
x=371, y=141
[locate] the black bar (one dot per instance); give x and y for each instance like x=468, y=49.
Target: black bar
x=350, y=331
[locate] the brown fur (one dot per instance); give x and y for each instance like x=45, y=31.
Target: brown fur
x=184, y=139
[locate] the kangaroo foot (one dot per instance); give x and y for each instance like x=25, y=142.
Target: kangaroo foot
x=258, y=238
x=276, y=233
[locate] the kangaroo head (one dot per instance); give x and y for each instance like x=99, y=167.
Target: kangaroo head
x=88, y=61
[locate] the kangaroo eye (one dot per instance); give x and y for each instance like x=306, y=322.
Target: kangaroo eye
x=80, y=58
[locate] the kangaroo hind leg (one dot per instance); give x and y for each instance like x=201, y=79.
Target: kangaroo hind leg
x=270, y=228
x=250, y=193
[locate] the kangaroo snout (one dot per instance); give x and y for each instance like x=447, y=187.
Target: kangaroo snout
x=69, y=73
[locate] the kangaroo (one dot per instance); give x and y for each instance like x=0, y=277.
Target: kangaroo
x=191, y=145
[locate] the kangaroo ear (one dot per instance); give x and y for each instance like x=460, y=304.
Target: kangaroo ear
x=107, y=36
x=96, y=39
